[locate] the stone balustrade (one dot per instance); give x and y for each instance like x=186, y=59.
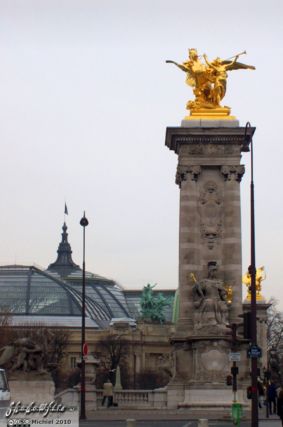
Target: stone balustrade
x=126, y=399
x=138, y=399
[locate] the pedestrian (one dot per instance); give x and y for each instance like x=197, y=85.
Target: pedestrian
x=272, y=397
x=260, y=390
x=107, y=393
x=280, y=405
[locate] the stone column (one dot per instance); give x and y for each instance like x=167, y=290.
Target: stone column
x=209, y=174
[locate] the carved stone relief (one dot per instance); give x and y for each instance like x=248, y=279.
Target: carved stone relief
x=193, y=149
x=210, y=205
x=210, y=362
x=210, y=149
x=232, y=149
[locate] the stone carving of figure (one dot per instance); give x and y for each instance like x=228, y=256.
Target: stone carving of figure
x=24, y=354
x=209, y=298
x=211, y=212
x=29, y=355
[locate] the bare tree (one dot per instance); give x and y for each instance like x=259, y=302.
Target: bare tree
x=275, y=340
x=274, y=326
x=114, y=348
x=6, y=332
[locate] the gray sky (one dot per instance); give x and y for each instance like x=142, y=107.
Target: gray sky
x=85, y=99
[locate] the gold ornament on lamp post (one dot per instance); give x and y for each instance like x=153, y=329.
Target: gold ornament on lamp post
x=260, y=276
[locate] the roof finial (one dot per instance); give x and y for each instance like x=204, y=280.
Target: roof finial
x=64, y=264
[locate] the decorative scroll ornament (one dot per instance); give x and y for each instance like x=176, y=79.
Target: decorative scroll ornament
x=233, y=173
x=185, y=173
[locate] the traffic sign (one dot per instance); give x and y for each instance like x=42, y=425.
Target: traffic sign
x=235, y=356
x=254, y=352
x=85, y=349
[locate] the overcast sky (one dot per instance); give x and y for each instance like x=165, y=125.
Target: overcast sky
x=85, y=99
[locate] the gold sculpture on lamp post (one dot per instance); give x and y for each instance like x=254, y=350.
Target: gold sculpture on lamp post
x=208, y=80
x=260, y=276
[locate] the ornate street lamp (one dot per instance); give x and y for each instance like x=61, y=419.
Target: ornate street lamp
x=252, y=272
x=83, y=223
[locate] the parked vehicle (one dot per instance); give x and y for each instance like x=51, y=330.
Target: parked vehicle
x=5, y=395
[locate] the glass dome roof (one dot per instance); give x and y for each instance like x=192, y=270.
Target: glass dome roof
x=57, y=291
x=27, y=290
x=104, y=298
x=101, y=292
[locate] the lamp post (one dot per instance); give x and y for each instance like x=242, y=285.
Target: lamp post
x=252, y=272
x=83, y=223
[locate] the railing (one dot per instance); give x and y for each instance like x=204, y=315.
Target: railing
x=137, y=399
x=126, y=399
x=133, y=397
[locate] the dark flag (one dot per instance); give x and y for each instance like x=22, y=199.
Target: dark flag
x=66, y=210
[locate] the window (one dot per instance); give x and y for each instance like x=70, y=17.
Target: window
x=73, y=362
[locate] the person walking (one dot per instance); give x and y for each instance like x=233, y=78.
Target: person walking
x=260, y=389
x=280, y=405
x=107, y=393
x=272, y=397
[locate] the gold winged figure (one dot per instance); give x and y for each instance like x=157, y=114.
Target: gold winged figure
x=259, y=277
x=209, y=80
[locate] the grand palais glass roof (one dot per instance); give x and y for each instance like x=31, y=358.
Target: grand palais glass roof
x=57, y=292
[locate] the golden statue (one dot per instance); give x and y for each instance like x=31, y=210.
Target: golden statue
x=208, y=80
x=259, y=277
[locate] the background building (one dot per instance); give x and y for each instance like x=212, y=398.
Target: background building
x=53, y=298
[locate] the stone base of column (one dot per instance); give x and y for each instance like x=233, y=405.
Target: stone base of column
x=31, y=390
x=202, y=365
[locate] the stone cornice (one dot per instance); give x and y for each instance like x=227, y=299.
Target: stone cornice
x=179, y=136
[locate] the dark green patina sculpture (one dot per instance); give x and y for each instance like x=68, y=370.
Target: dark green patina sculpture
x=153, y=305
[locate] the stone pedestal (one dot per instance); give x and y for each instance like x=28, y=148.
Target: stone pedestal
x=27, y=391
x=91, y=364
x=118, y=385
x=209, y=173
